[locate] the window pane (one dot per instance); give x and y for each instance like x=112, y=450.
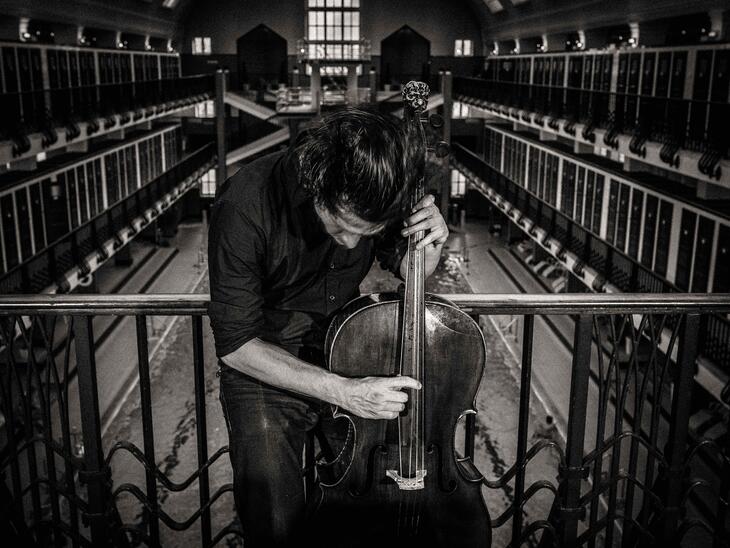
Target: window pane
x=346, y=3
x=312, y=3
x=348, y=34
x=467, y=47
x=320, y=18
x=312, y=18
x=338, y=33
x=355, y=33
x=206, y=44
x=355, y=3
x=348, y=18
x=338, y=18
x=320, y=33
x=356, y=18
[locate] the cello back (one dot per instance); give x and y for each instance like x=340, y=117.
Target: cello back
x=363, y=505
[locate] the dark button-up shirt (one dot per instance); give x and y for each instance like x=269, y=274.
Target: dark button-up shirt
x=274, y=271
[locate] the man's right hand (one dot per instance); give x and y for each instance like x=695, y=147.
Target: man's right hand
x=375, y=397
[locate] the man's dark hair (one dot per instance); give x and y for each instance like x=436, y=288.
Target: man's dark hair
x=361, y=160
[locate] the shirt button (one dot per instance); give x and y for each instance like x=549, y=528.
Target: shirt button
x=332, y=297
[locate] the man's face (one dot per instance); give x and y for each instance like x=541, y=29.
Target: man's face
x=345, y=227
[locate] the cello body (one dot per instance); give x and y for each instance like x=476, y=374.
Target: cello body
x=360, y=505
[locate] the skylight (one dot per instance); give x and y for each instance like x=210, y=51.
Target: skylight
x=495, y=6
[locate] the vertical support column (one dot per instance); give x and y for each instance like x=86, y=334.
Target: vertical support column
x=373, y=83
x=352, y=96
x=523, y=424
x=221, y=171
x=95, y=473
x=679, y=427
x=315, y=84
x=573, y=471
x=201, y=428
x=448, y=107
x=148, y=430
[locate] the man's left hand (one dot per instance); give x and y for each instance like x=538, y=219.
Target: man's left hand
x=426, y=216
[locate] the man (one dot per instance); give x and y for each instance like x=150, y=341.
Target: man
x=292, y=235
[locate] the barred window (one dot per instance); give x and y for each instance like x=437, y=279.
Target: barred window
x=463, y=48
x=333, y=29
x=458, y=183
x=207, y=184
x=201, y=45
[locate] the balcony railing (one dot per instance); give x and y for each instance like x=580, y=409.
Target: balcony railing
x=631, y=477
x=48, y=266
x=44, y=111
x=676, y=123
x=617, y=267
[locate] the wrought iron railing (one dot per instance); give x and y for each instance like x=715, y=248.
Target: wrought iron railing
x=44, y=111
x=622, y=270
x=631, y=480
x=48, y=266
x=676, y=123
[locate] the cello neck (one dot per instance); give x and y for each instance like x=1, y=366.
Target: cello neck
x=411, y=425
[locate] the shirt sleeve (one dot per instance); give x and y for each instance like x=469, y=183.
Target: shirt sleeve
x=390, y=248
x=235, y=270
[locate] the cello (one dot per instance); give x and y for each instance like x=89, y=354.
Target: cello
x=401, y=481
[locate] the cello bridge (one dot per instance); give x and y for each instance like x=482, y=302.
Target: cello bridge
x=407, y=484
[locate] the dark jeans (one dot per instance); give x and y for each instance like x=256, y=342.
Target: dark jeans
x=267, y=430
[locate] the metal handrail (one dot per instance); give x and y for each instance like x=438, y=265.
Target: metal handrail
x=563, y=303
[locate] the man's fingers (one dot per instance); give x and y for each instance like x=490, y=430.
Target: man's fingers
x=429, y=212
x=427, y=200
x=397, y=383
x=425, y=224
x=397, y=396
x=394, y=407
x=431, y=238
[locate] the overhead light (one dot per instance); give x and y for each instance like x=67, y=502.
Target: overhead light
x=495, y=6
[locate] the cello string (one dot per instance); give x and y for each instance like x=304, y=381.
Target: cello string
x=413, y=320
x=408, y=283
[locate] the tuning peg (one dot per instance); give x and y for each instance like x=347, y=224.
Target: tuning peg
x=436, y=121
x=442, y=149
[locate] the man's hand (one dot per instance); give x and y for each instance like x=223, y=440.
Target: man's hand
x=426, y=216
x=375, y=397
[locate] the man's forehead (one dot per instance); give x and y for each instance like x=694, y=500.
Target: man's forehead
x=351, y=222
